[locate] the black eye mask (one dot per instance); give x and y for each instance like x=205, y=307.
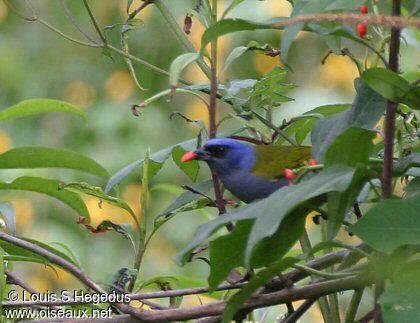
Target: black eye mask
x=216, y=151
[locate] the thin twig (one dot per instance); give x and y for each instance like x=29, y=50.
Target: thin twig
x=293, y=317
x=75, y=22
x=94, y=22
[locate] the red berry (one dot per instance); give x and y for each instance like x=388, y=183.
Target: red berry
x=361, y=29
x=364, y=9
x=312, y=162
x=289, y=174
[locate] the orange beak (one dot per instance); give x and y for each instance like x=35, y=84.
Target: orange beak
x=190, y=155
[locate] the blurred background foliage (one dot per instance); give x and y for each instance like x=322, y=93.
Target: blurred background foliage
x=36, y=63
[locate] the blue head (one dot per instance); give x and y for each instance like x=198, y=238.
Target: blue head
x=225, y=155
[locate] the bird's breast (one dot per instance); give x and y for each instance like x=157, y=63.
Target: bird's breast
x=249, y=187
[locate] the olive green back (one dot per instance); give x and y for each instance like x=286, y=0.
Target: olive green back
x=273, y=160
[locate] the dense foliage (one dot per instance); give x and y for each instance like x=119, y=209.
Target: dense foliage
x=348, y=192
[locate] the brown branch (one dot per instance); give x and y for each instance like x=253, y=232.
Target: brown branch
x=54, y=259
x=394, y=21
x=14, y=279
x=394, y=49
x=114, y=319
x=293, y=276
x=68, y=266
x=314, y=290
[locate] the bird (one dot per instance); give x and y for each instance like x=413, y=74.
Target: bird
x=249, y=172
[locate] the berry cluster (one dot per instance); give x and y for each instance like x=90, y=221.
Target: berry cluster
x=290, y=174
x=361, y=27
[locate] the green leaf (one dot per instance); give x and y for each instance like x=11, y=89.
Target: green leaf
x=232, y=5
x=227, y=253
x=392, y=86
x=405, y=163
x=280, y=203
x=155, y=164
x=390, y=224
x=366, y=110
x=303, y=126
x=280, y=243
x=7, y=212
x=269, y=91
x=339, y=203
x=350, y=148
x=287, y=38
x=191, y=168
x=38, y=106
x=413, y=187
x=179, y=64
x=84, y=188
x=43, y=157
x=49, y=187
x=270, y=212
x=234, y=54
x=252, y=45
x=14, y=250
x=257, y=281
x=226, y=26
x=400, y=300
x=187, y=201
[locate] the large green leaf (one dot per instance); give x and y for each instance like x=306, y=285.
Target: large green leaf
x=257, y=281
x=280, y=203
x=400, y=301
x=156, y=161
x=366, y=110
x=48, y=187
x=227, y=252
x=270, y=212
x=43, y=157
x=390, y=224
x=351, y=148
x=392, y=86
x=38, y=106
x=191, y=168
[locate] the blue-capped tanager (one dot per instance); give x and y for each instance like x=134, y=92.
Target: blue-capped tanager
x=249, y=172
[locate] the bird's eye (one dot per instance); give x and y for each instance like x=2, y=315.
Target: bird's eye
x=217, y=152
